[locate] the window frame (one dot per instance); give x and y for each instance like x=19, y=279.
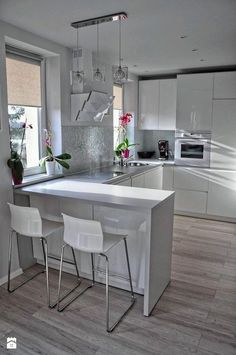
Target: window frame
x=121, y=112
x=16, y=52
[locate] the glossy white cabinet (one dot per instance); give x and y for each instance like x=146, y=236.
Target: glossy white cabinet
x=126, y=182
x=148, y=104
x=168, y=177
x=190, y=201
x=225, y=85
x=157, y=104
x=153, y=178
x=223, y=146
x=222, y=193
x=138, y=181
x=194, y=102
x=191, y=186
x=195, y=179
x=167, y=104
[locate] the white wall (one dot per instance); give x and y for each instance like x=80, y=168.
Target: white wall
x=60, y=102
x=130, y=93
x=5, y=177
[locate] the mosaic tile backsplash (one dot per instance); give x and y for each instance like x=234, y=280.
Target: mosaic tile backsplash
x=90, y=147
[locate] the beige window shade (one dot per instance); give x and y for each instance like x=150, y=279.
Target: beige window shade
x=23, y=82
x=117, y=92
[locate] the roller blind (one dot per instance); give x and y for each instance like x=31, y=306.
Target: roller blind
x=117, y=92
x=23, y=81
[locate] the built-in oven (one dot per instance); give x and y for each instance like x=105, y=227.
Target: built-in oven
x=192, y=149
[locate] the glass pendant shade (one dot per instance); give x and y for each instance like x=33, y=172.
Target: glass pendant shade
x=119, y=74
x=98, y=75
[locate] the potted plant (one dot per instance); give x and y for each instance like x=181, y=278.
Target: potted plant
x=122, y=149
x=16, y=166
x=15, y=161
x=50, y=160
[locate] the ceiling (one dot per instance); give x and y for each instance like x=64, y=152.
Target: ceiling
x=152, y=42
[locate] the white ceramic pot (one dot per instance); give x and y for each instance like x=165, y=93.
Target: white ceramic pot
x=50, y=167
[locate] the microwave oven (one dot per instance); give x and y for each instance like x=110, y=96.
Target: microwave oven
x=192, y=149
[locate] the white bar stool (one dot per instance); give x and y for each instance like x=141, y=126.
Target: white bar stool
x=28, y=222
x=87, y=236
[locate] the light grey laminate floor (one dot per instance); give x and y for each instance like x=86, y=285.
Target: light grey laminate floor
x=196, y=315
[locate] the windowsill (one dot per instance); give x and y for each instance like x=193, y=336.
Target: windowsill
x=34, y=179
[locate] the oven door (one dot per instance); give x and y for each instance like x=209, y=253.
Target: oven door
x=192, y=152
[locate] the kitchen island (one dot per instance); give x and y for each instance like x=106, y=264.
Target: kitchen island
x=145, y=215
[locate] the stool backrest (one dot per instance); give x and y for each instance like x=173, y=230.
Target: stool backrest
x=83, y=234
x=26, y=220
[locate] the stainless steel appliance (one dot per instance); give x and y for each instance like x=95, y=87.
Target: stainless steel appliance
x=192, y=149
x=163, y=146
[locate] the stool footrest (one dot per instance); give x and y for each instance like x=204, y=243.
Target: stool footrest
x=60, y=309
x=110, y=329
x=24, y=282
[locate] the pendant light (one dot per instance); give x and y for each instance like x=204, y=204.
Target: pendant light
x=98, y=74
x=120, y=73
x=77, y=75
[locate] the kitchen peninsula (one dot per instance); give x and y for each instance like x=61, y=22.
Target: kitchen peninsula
x=145, y=215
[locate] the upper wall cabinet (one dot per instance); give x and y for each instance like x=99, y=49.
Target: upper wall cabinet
x=225, y=85
x=194, y=102
x=157, y=104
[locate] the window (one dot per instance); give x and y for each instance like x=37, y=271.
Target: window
x=117, y=112
x=24, y=88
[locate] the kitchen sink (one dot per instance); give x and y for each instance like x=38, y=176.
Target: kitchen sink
x=137, y=163
x=117, y=173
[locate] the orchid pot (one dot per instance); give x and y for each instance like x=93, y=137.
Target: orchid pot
x=125, y=154
x=50, y=167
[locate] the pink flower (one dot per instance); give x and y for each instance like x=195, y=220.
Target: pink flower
x=124, y=120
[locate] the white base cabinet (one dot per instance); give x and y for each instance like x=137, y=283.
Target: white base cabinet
x=222, y=193
x=191, y=186
x=151, y=179
x=190, y=201
x=194, y=179
x=154, y=178
x=126, y=182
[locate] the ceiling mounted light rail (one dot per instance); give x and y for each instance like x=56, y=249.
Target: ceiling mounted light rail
x=98, y=20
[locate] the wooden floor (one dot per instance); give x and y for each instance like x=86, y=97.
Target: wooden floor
x=196, y=314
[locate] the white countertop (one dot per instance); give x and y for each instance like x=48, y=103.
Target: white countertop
x=99, y=193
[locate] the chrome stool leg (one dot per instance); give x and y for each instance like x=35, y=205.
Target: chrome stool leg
x=128, y=266
x=59, y=299
x=93, y=270
x=108, y=327
x=9, y=267
x=76, y=266
x=45, y=248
